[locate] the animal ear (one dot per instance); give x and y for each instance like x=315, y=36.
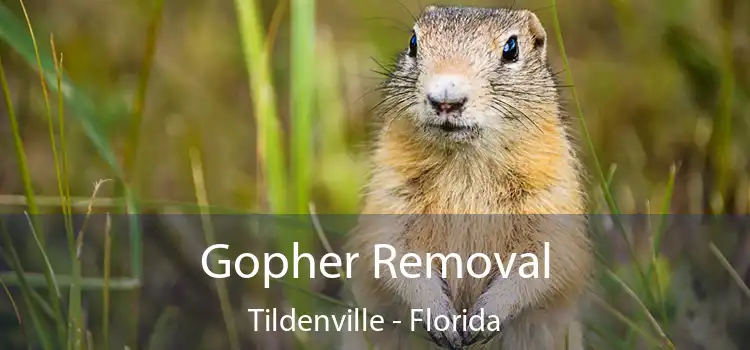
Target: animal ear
x=537, y=32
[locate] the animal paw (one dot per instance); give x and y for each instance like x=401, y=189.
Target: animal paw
x=484, y=324
x=438, y=322
x=478, y=330
x=438, y=319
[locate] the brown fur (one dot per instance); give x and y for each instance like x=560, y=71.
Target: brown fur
x=519, y=162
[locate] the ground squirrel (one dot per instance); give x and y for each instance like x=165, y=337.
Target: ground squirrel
x=472, y=124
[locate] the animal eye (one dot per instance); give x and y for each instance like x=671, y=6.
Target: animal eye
x=413, y=46
x=510, y=50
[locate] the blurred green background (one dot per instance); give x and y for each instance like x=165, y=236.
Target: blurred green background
x=175, y=104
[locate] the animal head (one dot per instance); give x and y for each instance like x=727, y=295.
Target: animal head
x=472, y=75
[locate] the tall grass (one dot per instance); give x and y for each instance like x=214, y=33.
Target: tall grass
x=71, y=332
x=23, y=168
x=302, y=95
x=268, y=129
x=291, y=163
x=202, y=199
x=277, y=177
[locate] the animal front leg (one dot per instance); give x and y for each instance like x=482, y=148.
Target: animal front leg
x=423, y=294
x=501, y=302
x=438, y=304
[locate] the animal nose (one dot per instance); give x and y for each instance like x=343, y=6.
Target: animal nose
x=447, y=93
x=444, y=105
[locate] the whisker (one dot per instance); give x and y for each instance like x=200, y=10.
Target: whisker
x=392, y=102
x=518, y=92
x=394, y=75
x=387, y=69
x=413, y=17
x=555, y=86
x=506, y=114
x=404, y=26
x=554, y=74
x=499, y=101
x=509, y=94
x=399, y=115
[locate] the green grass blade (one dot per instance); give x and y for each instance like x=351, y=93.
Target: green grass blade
x=139, y=102
x=156, y=205
x=606, y=189
x=75, y=314
x=664, y=339
x=77, y=339
x=43, y=304
x=273, y=27
x=656, y=241
x=65, y=191
x=136, y=252
x=665, y=206
x=129, y=183
x=126, y=187
x=36, y=280
x=624, y=319
x=302, y=93
x=13, y=32
x=732, y=272
x=23, y=168
x=269, y=135
x=303, y=38
x=721, y=138
x=326, y=244
x=202, y=198
x=39, y=236
x=49, y=277
x=105, y=288
x=49, y=273
x=329, y=249
x=603, y=179
x=579, y=112
x=48, y=111
x=11, y=257
x=110, y=202
x=21, y=325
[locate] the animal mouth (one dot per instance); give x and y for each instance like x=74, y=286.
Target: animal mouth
x=451, y=127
